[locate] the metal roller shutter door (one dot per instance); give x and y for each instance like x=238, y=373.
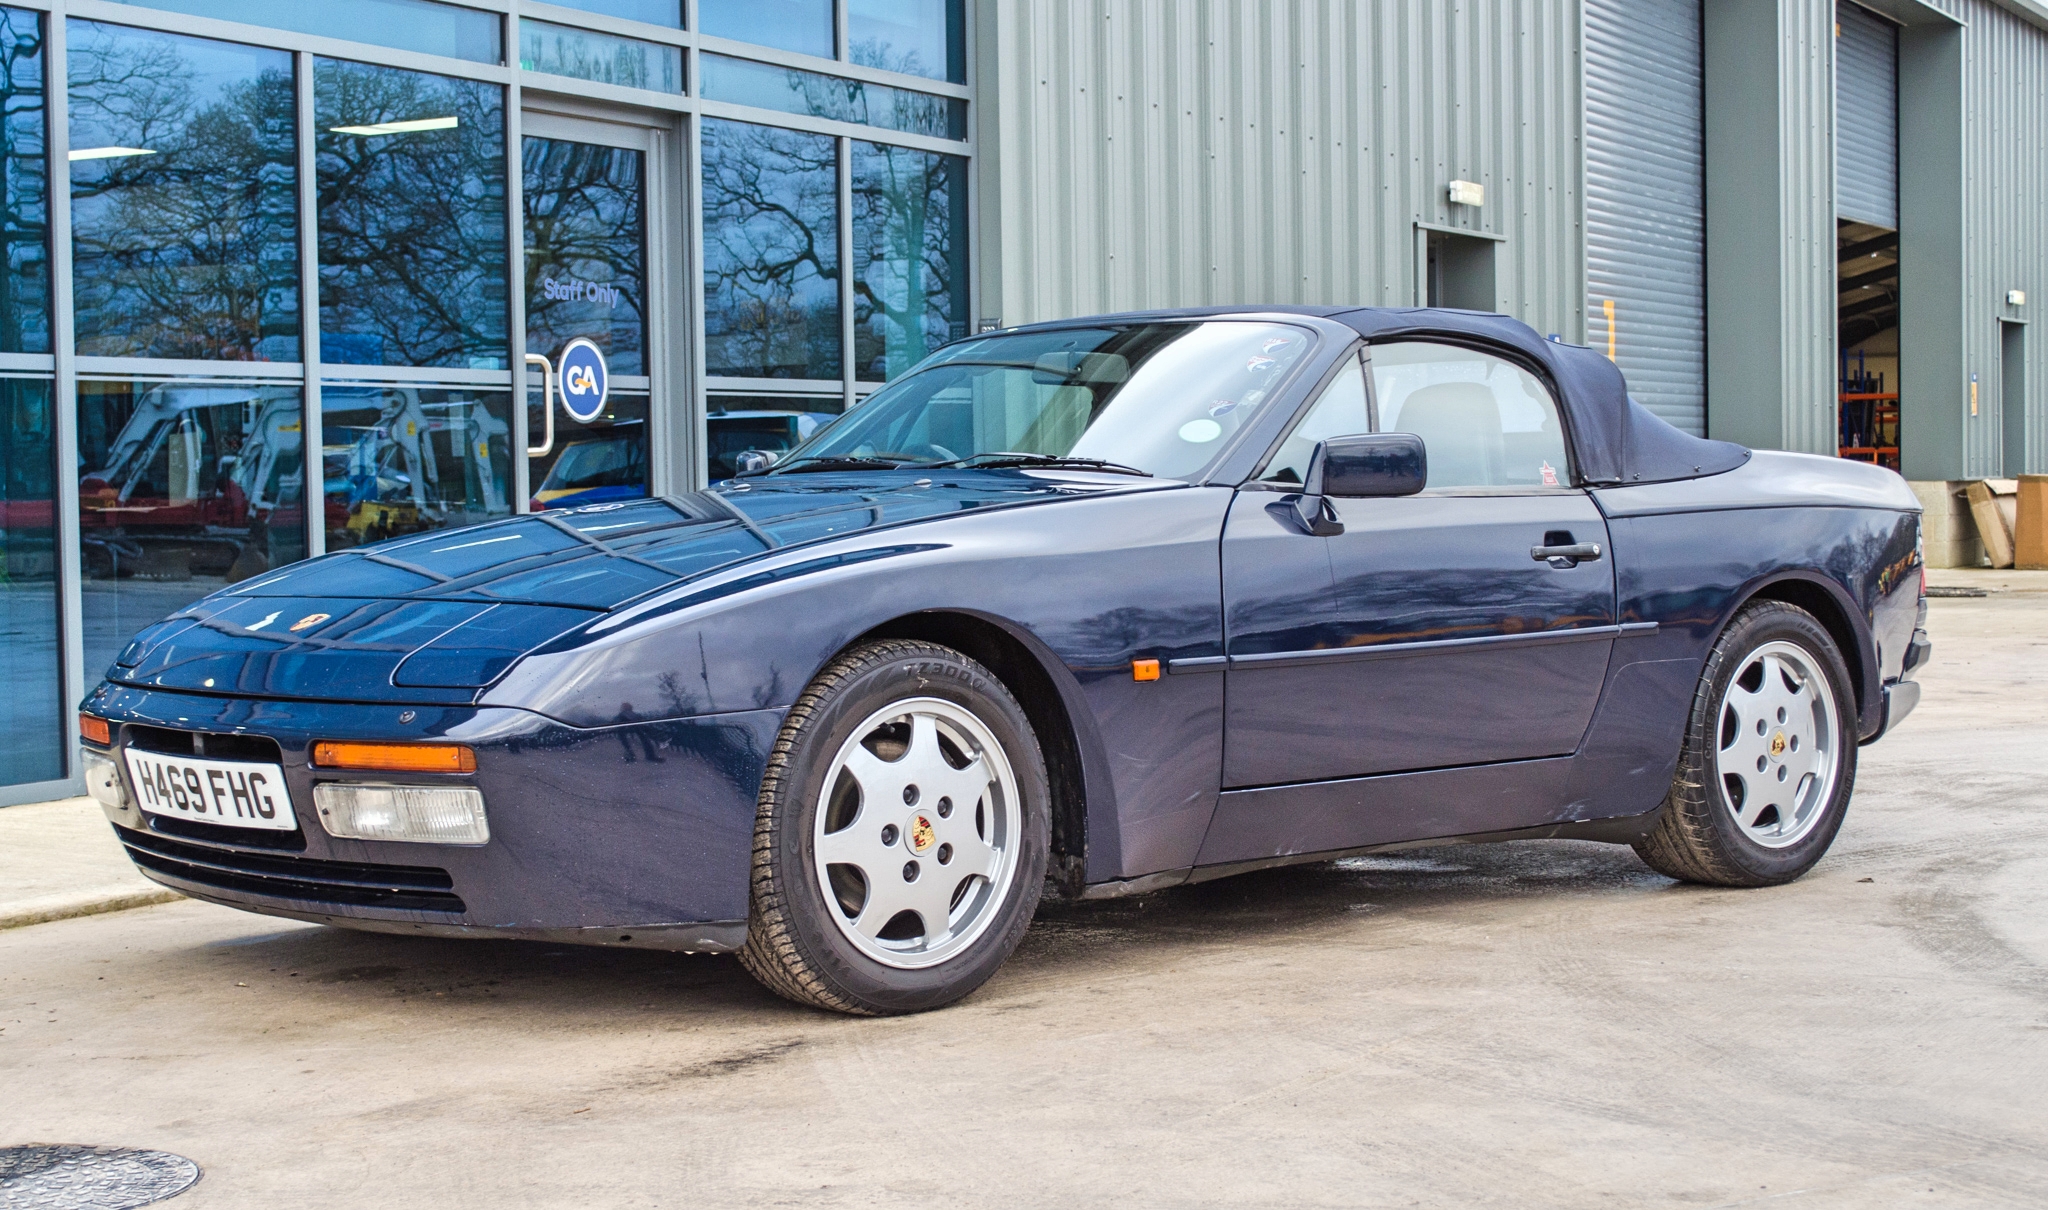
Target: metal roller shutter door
x=1646, y=216
x=1866, y=118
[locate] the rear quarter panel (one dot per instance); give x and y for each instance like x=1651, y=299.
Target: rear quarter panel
x=1689, y=554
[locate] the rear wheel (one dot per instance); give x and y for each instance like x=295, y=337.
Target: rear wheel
x=1769, y=758
x=901, y=839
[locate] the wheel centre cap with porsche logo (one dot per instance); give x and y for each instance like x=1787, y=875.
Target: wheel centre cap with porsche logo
x=921, y=834
x=1778, y=744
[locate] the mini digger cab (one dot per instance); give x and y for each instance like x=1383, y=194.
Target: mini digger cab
x=196, y=475
x=385, y=480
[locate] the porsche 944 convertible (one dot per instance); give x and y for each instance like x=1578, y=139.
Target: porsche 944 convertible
x=1100, y=606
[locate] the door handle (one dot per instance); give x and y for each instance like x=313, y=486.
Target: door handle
x=1566, y=556
x=547, y=405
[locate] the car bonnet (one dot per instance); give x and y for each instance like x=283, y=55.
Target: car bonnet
x=435, y=618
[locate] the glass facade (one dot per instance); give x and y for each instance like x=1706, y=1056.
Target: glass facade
x=400, y=458
x=423, y=26
x=32, y=749
x=771, y=252
x=814, y=94
x=413, y=259
x=585, y=54
x=184, y=232
x=184, y=486
x=803, y=26
x=909, y=256
x=278, y=242
x=24, y=187
x=915, y=37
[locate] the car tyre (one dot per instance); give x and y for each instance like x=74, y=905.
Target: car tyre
x=901, y=839
x=1769, y=757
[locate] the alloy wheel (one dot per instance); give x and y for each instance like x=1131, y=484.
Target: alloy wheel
x=917, y=832
x=1780, y=746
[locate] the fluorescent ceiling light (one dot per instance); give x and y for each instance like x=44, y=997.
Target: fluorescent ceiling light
x=107, y=153
x=407, y=127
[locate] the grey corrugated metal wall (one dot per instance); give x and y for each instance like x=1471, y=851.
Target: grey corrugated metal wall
x=1166, y=152
x=1646, y=201
x=1806, y=132
x=1173, y=152
x=1867, y=117
x=2005, y=172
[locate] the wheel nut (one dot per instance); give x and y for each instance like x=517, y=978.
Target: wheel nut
x=910, y=871
x=945, y=807
x=910, y=796
x=945, y=853
x=889, y=834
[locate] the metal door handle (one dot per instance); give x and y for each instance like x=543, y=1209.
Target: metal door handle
x=547, y=406
x=1577, y=552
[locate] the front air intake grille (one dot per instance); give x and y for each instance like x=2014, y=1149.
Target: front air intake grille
x=357, y=884
x=213, y=745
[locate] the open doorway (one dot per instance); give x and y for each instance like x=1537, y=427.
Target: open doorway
x=1867, y=316
x=1458, y=271
x=1867, y=233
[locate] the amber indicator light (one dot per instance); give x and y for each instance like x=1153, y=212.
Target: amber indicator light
x=395, y=758
x=95, y=729
x=1144, y=670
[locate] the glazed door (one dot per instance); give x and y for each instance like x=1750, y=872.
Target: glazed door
x=590, y=191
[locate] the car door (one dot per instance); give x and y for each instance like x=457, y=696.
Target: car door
x=1425, y=635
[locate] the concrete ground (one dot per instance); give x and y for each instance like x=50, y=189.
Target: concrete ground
x=1536, y=1024
x=59, y=859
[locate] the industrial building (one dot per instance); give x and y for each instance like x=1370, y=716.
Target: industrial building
x=277, y=275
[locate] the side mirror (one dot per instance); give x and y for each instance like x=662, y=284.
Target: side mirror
x=753, y=462
x=1380, y=464
x=1373, y=464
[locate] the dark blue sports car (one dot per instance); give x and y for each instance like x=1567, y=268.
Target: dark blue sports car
x=1106, y=606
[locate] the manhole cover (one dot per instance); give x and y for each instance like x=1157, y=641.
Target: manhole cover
x=67, y=1176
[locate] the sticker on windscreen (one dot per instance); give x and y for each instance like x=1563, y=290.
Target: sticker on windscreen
x=1199, y=432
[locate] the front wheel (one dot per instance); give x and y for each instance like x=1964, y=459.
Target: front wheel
x=901, y=840
x=1769, y=758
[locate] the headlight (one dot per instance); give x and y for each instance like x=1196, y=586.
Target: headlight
x=422, y=814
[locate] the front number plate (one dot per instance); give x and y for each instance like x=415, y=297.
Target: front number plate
x=230, y=793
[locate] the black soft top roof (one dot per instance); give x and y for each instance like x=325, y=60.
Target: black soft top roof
x=1617, y=440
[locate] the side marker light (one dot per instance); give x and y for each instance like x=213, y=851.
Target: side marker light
x=1144, y=670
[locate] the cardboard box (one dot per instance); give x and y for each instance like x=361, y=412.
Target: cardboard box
x=1994, y=504
x=2030, y=524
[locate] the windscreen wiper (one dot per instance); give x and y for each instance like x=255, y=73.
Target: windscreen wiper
x=835, y=462
x=1000, y=459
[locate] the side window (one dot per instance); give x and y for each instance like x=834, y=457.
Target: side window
x=1485, y=421
x=1340, y=412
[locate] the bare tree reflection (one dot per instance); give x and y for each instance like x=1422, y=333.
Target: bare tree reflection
x=24, y=188
x=190, y=250
x=583, y=222
x=412, y=222
x=909, y=254
x=771, y=252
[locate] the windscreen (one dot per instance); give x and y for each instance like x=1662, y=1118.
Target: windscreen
x=1160, y=397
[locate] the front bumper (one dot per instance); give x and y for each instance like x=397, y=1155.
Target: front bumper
x=638, y=835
